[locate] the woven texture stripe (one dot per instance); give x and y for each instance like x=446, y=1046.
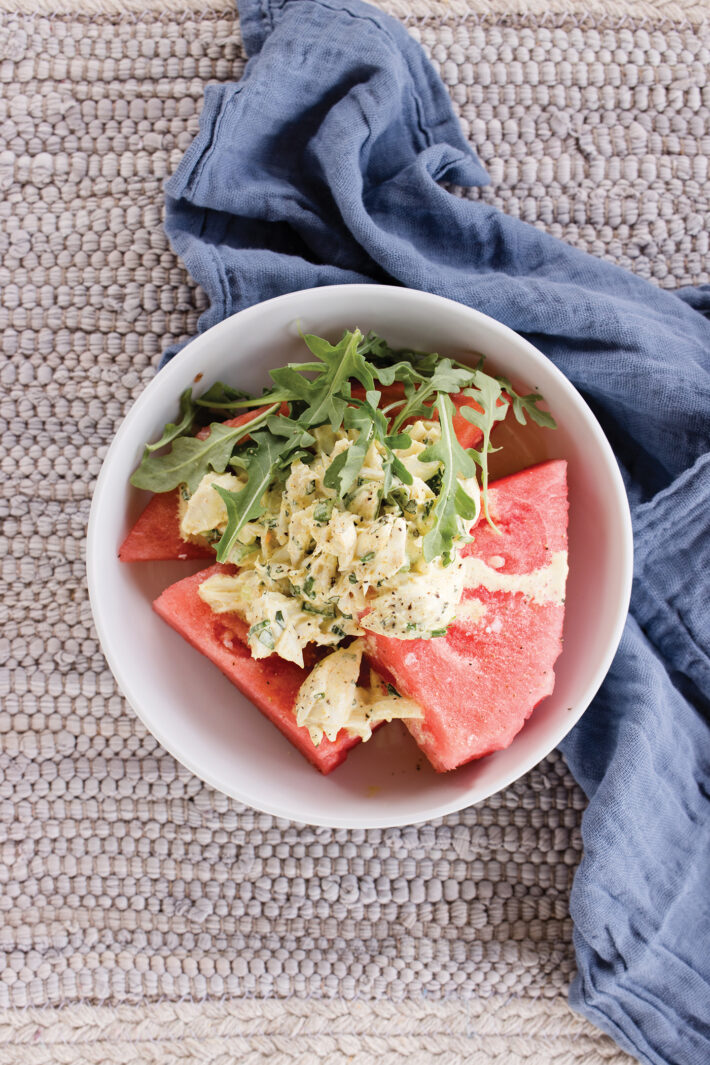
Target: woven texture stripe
x=123, y=879
x=491, y=1032
x=678, y=13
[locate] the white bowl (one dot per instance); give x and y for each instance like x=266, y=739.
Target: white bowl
x=203, y=720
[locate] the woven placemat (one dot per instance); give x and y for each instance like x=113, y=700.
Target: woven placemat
x=144, y=917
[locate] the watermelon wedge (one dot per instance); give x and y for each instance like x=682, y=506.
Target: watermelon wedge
x=155, y=537
x=272, y=684
x=478, y=685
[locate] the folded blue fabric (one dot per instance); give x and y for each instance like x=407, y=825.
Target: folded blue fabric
x=322, y=166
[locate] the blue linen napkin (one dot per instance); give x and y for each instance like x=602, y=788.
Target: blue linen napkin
x=322, y=166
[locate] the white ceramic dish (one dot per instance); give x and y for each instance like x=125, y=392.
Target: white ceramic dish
x=203, y=720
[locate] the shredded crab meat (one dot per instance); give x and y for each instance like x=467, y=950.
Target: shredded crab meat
x=334, y=566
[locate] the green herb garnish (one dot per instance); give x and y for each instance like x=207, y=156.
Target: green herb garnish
x=523, y=405
x=324, y=611
x=190, y=458
x=322, y=511
x=318, y=393
x=262, y=631
x=453, y=502
x=173, y=430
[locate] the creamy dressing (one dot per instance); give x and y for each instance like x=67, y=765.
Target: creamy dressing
x=418, y=603
x=543, y=585
x=471, y=610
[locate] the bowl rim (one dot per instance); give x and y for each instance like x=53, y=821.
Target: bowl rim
x=543, y=747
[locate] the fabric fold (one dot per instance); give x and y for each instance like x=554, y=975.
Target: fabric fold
x=331, y=161
x=640, y=901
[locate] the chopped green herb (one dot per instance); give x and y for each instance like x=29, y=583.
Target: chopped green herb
x=262, y=631
x=367, y=557
x=325, y=611
x=323, y=511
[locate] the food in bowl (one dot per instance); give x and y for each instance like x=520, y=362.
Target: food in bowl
x=363, y=574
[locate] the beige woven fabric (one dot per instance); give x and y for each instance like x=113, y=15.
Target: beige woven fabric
x=652, y=12
x=123, y=879
x=296, y=1032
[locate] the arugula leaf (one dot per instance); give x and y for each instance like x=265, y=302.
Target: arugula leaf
x=487, y=392
x=247, y=504
x=190, y=458
x=291, y=430
x=342, y=362
x=399, y=371
x=174, y=429
x=345, y=467
x=445, y=378
x=324, y=397
x=523, y=405
x=453, y=502
x=221, y=396
x=376, y=346
x=372, y=426
x=394, y=467
x=292, y=385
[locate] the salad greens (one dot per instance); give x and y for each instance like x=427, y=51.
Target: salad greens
x=191, y=457
x=453, y=502
x=319, y=393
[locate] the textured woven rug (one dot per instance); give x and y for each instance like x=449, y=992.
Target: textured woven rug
x=144, y=917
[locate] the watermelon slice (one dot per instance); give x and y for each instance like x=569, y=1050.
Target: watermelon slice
x=478, y=685
x=272, y=684
x=155, y=537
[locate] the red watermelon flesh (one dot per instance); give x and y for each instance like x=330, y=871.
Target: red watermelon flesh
x=478, y=685
x=271, y=683
x=155, y=537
